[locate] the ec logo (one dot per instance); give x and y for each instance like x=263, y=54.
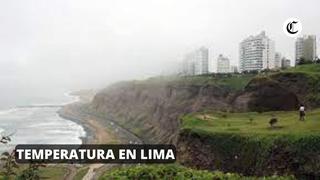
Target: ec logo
x=292, y=27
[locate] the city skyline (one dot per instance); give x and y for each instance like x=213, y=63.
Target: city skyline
x=277, y=59
x=133, y=39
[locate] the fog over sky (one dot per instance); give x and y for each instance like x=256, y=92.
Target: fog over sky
x=90, y=43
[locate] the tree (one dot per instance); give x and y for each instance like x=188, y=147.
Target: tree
x=10, y=164
x=32, y=172
x=302, y=61
x=317, y=61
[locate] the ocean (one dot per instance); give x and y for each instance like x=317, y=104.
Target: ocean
x=37, y=122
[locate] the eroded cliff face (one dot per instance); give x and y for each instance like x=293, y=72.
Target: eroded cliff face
x=151, y=108
x=152, y=111
x=251, y=155
x=265, y=94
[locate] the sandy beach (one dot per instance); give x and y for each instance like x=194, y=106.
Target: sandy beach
x=96, y=132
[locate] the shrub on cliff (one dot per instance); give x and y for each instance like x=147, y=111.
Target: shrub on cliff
x=175, y=172
x=273, y=121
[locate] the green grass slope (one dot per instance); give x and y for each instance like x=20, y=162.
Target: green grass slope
x=253, y=123
x=232, y=82
x=307, y=68
x=247, y=144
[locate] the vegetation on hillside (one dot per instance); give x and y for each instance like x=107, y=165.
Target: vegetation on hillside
x=175, y=172
x=233, y=82
x=308, y=68
x=49, y=172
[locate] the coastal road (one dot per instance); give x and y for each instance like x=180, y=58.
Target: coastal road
x=78, y=113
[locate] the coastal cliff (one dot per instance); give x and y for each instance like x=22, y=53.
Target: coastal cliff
x=151, y=108
x=155, y=109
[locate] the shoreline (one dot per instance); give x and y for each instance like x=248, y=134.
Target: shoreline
x=90, y=131
x=95, y=129
x=98, y=130
x=67, y=111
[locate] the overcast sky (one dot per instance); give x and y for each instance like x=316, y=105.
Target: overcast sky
x=81, y=43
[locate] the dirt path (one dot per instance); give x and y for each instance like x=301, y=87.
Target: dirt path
x=72, y=171
x=101, y=137
x=92, y=171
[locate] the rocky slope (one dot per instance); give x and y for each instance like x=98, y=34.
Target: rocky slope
x=265, y=94
x=151, y=110
x=255, y=154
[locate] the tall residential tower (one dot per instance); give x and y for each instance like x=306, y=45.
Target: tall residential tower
x=306, y=48
x=201, y=58
x=223, y=64
x=257, y=53
x=197, y=62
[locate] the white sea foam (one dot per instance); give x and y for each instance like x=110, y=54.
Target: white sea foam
x=40, y=125
x=8, y=111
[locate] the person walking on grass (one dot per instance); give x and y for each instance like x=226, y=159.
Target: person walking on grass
x=302, y=112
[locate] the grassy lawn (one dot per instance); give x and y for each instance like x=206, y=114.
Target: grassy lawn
x=81, y=173
x=252, y=122
x=53, y=172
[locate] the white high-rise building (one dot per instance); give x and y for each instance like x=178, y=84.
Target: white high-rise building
x=201, y=59
x=277, y=60
x=306, y=48
x=223, y=64
x=257, y=53
x=197, y=62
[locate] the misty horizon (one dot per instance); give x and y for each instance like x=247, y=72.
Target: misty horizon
x=81, y=44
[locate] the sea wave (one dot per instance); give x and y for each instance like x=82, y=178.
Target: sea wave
x=40, y=123
x=8, y=111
